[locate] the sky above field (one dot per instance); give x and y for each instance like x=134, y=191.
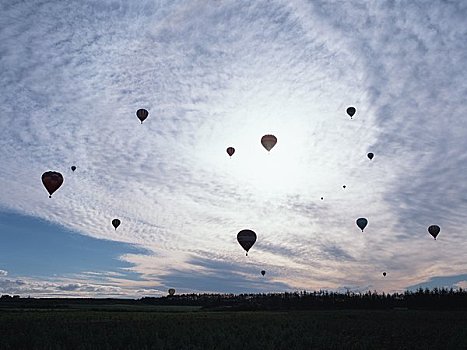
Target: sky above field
x=214, y=74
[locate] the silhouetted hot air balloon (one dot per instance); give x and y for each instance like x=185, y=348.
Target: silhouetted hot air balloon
x=246, y=238
x=171, y=291
x=344, y=186
x=434, y=230
x=52, y=181
x=115, y=223
x=384, y=274
x=263, y=272
x=351, y=111
x=268, y=141
x=142, y=114
x=322, y=198
x=362, y=222
x=73, y=168
x=370, y=155
x=230, y=151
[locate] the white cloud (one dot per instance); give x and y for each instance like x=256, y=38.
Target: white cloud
x=223, y=74
x=3, y=273
x=40, y=288
x=462, y=284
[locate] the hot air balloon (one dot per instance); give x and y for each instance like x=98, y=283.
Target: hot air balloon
x=344, y=186
x=52, y=181
x=351, y=111
x=384, y=274
x=115, y=223
x=73, y=168
x=370, y=155
x=246, y=238
x=362, y=222
x=268, y=141
x=171, y=291
x=322, y=198
x=263, y=272
x=142, y=114
x=434, y=230
x=230, y=151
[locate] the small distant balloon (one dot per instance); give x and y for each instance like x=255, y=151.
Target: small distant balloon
x=434, y=230
x=322, y=198
x=263, y=272
x=52, y=181
x=351, y=111
x=384, y=274
x=142, y=114
x=246, y=238
x=370, y=155
x=361, y=223
x=171, y=291
x=73, y=168
x=268, y=141
x=344, y=186
x=230, y=151
x=115, y=223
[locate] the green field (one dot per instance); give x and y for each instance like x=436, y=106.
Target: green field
x=165, y=328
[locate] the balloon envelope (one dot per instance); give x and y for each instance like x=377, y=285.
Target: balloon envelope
x=263, y=272
x=246, y=238
x=362, y=222
x=52, y=181
x=142, y=114
x=434, y=230
x=230, y=151
x=73, y=168
x=384, y=274
x=171, y=291
x=268, y=141
x=115, y=223
x=351, y=111
x=370, y=155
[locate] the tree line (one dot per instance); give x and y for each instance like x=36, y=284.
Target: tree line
x=437, y=298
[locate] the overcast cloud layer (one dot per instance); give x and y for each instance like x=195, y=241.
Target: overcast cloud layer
x=215, y=74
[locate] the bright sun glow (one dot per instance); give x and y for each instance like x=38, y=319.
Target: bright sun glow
x=303, y=161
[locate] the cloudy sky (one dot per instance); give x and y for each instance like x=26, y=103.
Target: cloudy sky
x=214, y=74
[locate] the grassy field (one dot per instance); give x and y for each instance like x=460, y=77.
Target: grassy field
x=190, y=329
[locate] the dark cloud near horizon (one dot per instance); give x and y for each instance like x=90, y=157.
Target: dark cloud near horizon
x=440, y=282
x=223, y=277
